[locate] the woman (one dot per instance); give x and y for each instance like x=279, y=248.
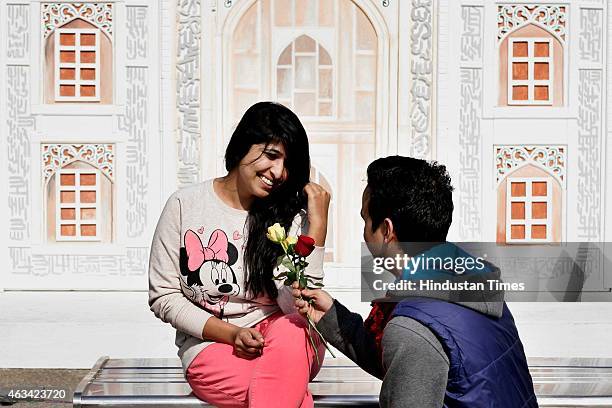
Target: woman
x=211, y=267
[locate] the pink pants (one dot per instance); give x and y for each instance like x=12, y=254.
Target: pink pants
x=277, y=378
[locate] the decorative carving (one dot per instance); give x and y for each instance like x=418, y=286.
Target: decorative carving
x=137, y=32
x=590, y=38
x=470, y=192
x=18, y=44
x=56, y=156
x=188, y=91
x=20, y=124
x=421, y=71
x=590, y=87
x=471, y=35
x=55, y=15
x=134, y=123
x=512, y=16
x=552, y=158
x=134, y=263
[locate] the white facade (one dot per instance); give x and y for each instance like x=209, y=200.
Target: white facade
x=84, y=180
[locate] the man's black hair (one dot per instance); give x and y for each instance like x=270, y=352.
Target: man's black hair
x=415, y=194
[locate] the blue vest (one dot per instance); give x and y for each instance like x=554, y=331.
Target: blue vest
x=488, y=367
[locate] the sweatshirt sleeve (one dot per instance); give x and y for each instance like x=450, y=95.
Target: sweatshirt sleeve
x=314, y=269
x=166, y=298
x=345, y=331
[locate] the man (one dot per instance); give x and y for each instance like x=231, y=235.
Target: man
x=432, y=349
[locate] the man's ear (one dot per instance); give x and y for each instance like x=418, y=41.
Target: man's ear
x=389, y=231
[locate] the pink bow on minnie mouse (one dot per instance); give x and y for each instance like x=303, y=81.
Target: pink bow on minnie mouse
x=197, y=254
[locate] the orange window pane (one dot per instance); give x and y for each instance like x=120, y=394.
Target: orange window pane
x=326, y=12
x=88, y=213
x=88, y=230
x=68, y=214
x=541, y=49
x=518, y=189
x=67, y=90
x=88, y=197
x=538, y=231
x=88, y=39
x=67, y=196
x=67, y=56
x=88, y=74
x=540, y=70
x=518, y=211
x=541, y=93
x=88, y=57
x=67, y=73
x=520, y=70
x=325, y=83
x=88, y=90
x=285, y=58
x=67, y=180
x=325, y=109
x=305, y=44
x=519, y=49
x=324, y=58
x=68, y=230
x=88, y=179
x=520, y=93
x=538, y=188
x=538, y=211
x=517, y=232
x=67, y=39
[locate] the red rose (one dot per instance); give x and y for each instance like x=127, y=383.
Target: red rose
x=304, y=246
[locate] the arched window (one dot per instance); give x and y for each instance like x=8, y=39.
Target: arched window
x=531, y=68
x=78, y=192
x=304, y=78
x=78, y=63
x=529, y=207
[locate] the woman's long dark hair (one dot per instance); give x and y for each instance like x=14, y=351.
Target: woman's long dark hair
x=268, y=122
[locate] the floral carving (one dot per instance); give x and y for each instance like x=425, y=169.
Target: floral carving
x=55, y=15
x=552, y=158
x=56, y=156
x=512, y=16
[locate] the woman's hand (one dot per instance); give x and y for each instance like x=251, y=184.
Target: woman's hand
x=248, y=343
x=318, y=208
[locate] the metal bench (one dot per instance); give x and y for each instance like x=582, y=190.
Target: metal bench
x=160, y=383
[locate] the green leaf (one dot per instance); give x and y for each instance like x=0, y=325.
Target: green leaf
x=287, y=282
x=288, y=264
x=303, y=282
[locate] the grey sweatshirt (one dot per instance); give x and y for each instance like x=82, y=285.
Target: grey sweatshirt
x=196, y=268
